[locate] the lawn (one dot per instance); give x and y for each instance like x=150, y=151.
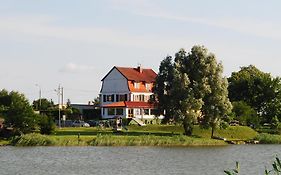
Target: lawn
x=231, y=133
x=150, y=135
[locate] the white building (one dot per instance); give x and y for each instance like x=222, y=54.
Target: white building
x=126, y=93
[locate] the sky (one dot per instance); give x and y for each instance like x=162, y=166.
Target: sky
x=72, y=43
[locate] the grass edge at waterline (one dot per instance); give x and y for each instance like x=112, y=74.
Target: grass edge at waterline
x=113, y=140
x=265, y=138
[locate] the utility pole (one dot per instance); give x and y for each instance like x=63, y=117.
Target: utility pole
x=40, y=96
x=59, y=92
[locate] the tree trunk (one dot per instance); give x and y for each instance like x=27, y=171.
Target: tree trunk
x=188, y=126
x=213, y=131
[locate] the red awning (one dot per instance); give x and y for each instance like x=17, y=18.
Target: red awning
x=130, y=104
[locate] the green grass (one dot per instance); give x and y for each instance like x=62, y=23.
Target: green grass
x=150, y=135
x=4, y=142
x=269, y=138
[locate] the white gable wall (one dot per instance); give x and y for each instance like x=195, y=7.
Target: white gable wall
x=115, y=82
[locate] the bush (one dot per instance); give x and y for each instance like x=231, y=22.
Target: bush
x=47, y=125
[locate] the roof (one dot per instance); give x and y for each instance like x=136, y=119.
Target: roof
x=129, y=104
x=133, y=74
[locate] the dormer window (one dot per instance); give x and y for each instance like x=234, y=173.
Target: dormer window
x=147, y=86
x=136, y=85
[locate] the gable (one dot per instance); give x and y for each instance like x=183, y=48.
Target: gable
x=114, y=82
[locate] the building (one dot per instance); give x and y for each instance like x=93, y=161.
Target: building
x=126, y=93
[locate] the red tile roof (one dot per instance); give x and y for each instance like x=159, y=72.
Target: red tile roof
x=147, y=75
x=130, y=104
x=133, y=74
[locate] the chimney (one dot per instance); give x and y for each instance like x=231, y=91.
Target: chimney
x=139, y=68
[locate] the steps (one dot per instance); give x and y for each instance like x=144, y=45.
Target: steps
x=139, y=122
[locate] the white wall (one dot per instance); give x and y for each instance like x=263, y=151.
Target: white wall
x=115, y=82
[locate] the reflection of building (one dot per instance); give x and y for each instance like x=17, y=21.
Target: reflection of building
x=126, y=92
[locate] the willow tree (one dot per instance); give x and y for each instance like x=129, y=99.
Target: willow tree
x=198, y=89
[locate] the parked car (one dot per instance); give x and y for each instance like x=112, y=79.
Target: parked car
x=93, y=123
x=78, y=123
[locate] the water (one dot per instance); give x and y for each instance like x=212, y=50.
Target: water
x=136, y=160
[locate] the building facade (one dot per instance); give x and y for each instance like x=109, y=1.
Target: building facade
x=126, y=93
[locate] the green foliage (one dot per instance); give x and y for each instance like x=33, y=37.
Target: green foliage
x=33, y=139
x=17, y=112
x=258, y=89
x=47, y=125
x=233, y=171
x=245, y=114
x=268, y=138
x=276, y=169
x=163, y=88
x=42, y=104
x=192, y=87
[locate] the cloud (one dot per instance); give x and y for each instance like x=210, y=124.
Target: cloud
x=249, y=26
x=46, y=27
x=76, y=68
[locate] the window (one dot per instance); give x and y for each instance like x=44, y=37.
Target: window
x=141, y=97
x=146, y=111
x=137, y=112
x=104, y=98
x=136, y=85
x=123, y=97
x=111, y=111
x=119, y=111
x=117, y=98
x=154, y=111
x=147, y=86
x=109, y=98
x=103, y=111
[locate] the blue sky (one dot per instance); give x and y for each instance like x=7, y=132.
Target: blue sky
x=75, y=43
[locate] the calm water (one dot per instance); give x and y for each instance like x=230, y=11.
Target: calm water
x=136, y=160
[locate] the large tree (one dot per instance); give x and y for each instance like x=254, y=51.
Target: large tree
x=163, y=87
x=259, y=90
x=17, y=111
x=198, y=89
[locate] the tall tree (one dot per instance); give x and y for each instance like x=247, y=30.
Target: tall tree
x=216, y=103
x=163, y=86
x=197, y=89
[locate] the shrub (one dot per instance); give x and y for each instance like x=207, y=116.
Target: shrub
x=47, y=125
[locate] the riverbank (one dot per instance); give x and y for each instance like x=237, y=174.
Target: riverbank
x=151, y=135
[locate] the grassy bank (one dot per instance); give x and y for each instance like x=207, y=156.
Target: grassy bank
x=269, y=138
x=150, y=135
x=113, y=140
x=4, y=142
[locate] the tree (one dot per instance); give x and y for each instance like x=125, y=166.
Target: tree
x=17, y=112
x=245, y=114
x=259, y=90
x=195, y=89
x=162, y=88
x=46, y=124
x=42, y=104
x=209, y=86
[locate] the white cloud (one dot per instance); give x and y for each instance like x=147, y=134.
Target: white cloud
x=76, y=68
x=267, y=29
x=45, y=27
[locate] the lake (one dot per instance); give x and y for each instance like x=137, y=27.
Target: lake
x=136, y=160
